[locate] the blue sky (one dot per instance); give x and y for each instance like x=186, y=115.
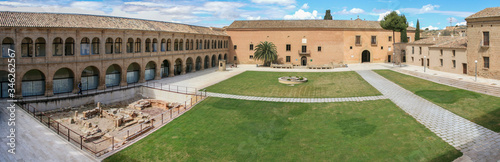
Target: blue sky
x=432, y=14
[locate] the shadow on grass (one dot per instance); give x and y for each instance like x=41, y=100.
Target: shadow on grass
x=491, y=120
x=356, y=127
x=446, y=97
x=448, y=156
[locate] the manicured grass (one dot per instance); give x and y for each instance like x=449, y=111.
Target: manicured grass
x=237, y=130
x=320, y=85
x=476, y=107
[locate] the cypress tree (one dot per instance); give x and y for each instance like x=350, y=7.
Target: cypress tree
x=328, y=16
x=417, y=32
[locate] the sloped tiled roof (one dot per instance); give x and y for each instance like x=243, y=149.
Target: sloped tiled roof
x=52, y=20
x=487, y=12
x=298, y=24
x=432, y=40
x=457, y=42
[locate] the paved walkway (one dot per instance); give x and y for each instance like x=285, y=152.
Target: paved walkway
x=300, y=100
x=34, y=141
x=476, y=142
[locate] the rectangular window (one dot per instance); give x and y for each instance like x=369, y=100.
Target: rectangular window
x=420, y=49
x=234, y=58
x=412, y=59
x=454, y=63
x=381, y=47
x=288, y=47
x=319, y=48
x=486, y=38
x=441, y=60
x=453, y=52
x=390, y=38
x=390, y=48
x=235, y=47
x=358, y=40
x=251, y=47
x=304, y=49
x=486, y=62
x=412, y=50
x=374, y=39
x=408, y=38
x=251, y=56
x=441, y=52
x=287, y=58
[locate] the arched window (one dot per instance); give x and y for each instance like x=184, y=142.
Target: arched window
x=155, y=45
x=109, y=46
x=85, y=46
x=133, y=73
x=69, y=47
x=187, y=44
x=118, y=45
x=197, y=46
x=176, y=45
x=95, y=46
x=27, y=47
x=40, y=47
x=191, y=45
x=150, y=72
x=163, y=45
x=181, y=45
x=33, y=83
x=169, y=45
x=138, y=45
x=57, y=47
x=148, y=45
x=63, y=81
x=90, y=78
x=7, y=43
x=130, y=45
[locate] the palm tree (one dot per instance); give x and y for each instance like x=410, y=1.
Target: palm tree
x=266, y=51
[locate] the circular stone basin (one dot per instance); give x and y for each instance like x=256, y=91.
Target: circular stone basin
x=292, y=80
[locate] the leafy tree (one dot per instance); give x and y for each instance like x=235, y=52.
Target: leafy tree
x=417, y=32
x=394, y=22
x=426, y=28
x=266, y=51
x=328, y=16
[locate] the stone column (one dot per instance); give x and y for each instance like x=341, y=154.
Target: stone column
x=171, y=70
x=158, y=72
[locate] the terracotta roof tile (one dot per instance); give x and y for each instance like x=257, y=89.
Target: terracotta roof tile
x=487, y=12
x=52, y=20
x=341, y=24
x=457, y=42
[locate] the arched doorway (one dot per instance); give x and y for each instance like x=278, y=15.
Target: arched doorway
x=33, y=83
x=213, y=61
x=63, y=81
x=219, y=58
x=165, y=66
x=198, y=63
x=113, y=75
x=178, y=67
x=189, y=65
x=365, y=56
x=303, y=61
x=225, y=57
x=149, y=74
x=207, y=62
x=133, y=73
x=4, y=84
x=90, y=78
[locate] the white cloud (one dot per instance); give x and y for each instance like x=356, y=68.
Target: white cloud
x=382, y=15
x=253, y=18
x=15, y=4
x=429, y=8
x=462, y=23
x=431, y=27
x=301, y=14
x=224, y=10
x=305, y=6
x=350, y=12
x=279, y=2
x=87, y=5
x=411, y=24
x=289, y=7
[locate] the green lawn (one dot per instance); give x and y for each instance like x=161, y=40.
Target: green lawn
x=320, y=85
x=476, y=107
x=220, y=129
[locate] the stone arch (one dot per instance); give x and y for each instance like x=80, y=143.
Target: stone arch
x=130, y=45
x=225, y=56
x=108, y=46
x=169, y=44
x=155, y=45
x=189, y=65
x=191, y=45
x=7, y=43
x=63, y=81
x=138, y=44
x=187, y=44
x=181, y=45
x=90, y=78
x=133, y=73
x=198, y=63
x=219, y=58
x=178, y=66
x=214, y=61
x=40, y=47
x=118, y=45
x=27, y=47
x=96, y=43
x=150, y=72
x=207, y=61
x=176, y=45
x=148, y=45
x=4, y=83
x=163, y=45
x=33, y=83
x=113, y=75
x=85, y=46
x=69, y=46
x=165, y=67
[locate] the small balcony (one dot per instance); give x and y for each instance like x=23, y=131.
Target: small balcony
x=485, y=44
x=305, y=52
